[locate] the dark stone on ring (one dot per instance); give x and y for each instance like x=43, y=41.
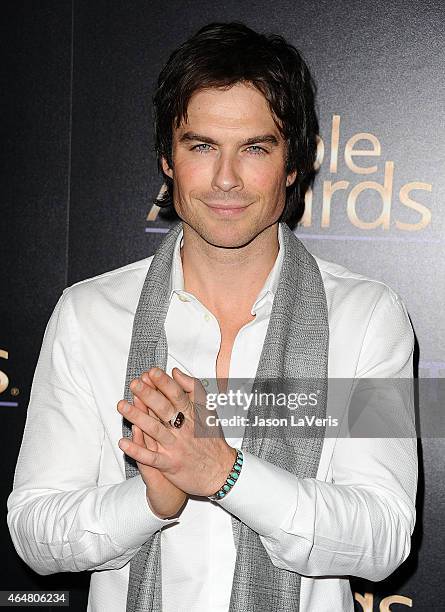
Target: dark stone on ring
x=179, y=420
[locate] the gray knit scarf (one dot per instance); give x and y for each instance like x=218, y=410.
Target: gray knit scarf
x=295, y=347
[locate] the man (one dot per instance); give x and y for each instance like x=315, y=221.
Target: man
x=166, y=519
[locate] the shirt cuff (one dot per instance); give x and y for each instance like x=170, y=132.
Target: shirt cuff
x=129, y=520
x=263, y=495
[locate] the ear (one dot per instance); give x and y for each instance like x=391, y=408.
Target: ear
x=291, y=178
x=166, y=168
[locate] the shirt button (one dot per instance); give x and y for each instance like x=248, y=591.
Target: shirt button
x=183, y=298
x=207, y=317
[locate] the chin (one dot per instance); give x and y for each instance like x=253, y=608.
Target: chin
x=228, y=235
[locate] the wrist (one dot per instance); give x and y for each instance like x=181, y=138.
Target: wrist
x=171, y=511
x=231, y=458
x=152, y=510
x=227, y=461
x=232, y=476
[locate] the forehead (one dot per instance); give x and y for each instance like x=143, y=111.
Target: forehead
x=241, y=108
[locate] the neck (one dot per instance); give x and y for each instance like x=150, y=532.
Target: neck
x=227, y=281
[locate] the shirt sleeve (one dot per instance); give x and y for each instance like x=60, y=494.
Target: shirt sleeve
x=360, y=522
x=59, y=518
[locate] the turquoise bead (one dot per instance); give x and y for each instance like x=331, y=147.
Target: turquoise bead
x=232, y=477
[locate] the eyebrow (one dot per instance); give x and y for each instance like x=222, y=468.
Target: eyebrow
x=263, y=138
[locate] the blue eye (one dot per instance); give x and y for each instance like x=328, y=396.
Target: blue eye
x=198, y=148
x=259, y=150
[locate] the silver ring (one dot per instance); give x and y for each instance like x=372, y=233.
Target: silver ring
x=178, y=420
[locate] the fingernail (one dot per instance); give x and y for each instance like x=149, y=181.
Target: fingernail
x=136, y=385
x=123, y=444
x=125, y=407
x=156, y=373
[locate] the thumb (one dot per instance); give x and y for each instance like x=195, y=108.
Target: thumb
x=190, y=385
x=187, y=382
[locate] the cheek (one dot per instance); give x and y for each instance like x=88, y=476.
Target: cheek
x=267, y=179
x=189, y=174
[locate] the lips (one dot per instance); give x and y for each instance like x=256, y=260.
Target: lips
x=226, y=207
x=226, y=211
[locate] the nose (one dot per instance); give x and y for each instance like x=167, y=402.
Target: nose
x=226, y=174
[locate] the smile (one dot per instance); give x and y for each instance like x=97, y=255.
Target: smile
x=227, y=211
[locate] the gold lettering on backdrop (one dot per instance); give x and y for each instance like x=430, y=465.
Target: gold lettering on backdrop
x=423, y=210
x=320, y=153
x=329, y=188
x=153, y=213
x=396, y=599
x=335, y=140
x=306, y=219
x=350, y=152
x=154, y=210
x=385, y=193
x=4, y=380
x=367, y=602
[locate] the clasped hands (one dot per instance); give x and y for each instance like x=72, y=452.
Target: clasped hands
x=174, y=463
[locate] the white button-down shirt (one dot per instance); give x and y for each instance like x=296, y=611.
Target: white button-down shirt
x=72, y=508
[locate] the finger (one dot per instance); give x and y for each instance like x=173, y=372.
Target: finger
x=138, y=436
x=140, y=404
x=191, y=385
x=147, y=440
x=187, y=382
x=148, y=381
x=145, y=409
x=138, y=401
x=152, y=398
x=148, y=410
x=172, y=390
x=149, y=424
x=143, y=455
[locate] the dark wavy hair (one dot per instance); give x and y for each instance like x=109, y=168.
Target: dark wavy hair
x=221, y=55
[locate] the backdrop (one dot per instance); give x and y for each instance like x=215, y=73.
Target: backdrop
x=81, y=175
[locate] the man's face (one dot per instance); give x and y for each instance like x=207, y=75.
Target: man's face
x=228, y=173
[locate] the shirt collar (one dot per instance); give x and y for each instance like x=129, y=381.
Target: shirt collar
x=266, y=294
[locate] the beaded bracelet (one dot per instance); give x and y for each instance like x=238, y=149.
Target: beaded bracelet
x=231, y=478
